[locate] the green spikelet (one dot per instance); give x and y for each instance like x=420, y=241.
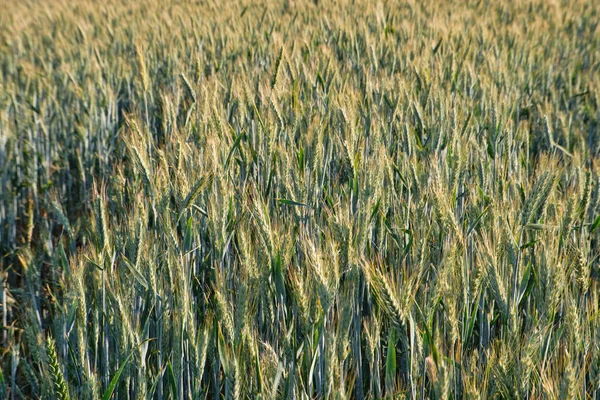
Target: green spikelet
x=277, y=112
x=536, y=203
x=585, y=195
x=61, y=391
x=101, y=224
x=276, y=69
x=195, y=192
x=188, y=88
x=224, y=315
x=217, y=122
x=60, y=216
x=146, y=173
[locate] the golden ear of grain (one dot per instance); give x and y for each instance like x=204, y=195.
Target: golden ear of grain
x=385, y=294
x=141, y=60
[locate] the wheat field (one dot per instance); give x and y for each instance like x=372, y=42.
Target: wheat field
x=332, y=199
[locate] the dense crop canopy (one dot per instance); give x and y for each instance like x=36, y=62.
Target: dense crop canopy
x=295, y=199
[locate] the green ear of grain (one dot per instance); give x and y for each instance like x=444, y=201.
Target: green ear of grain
x=194, y=193
x=61, y=390
x=276, y=69
x=188, y=88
